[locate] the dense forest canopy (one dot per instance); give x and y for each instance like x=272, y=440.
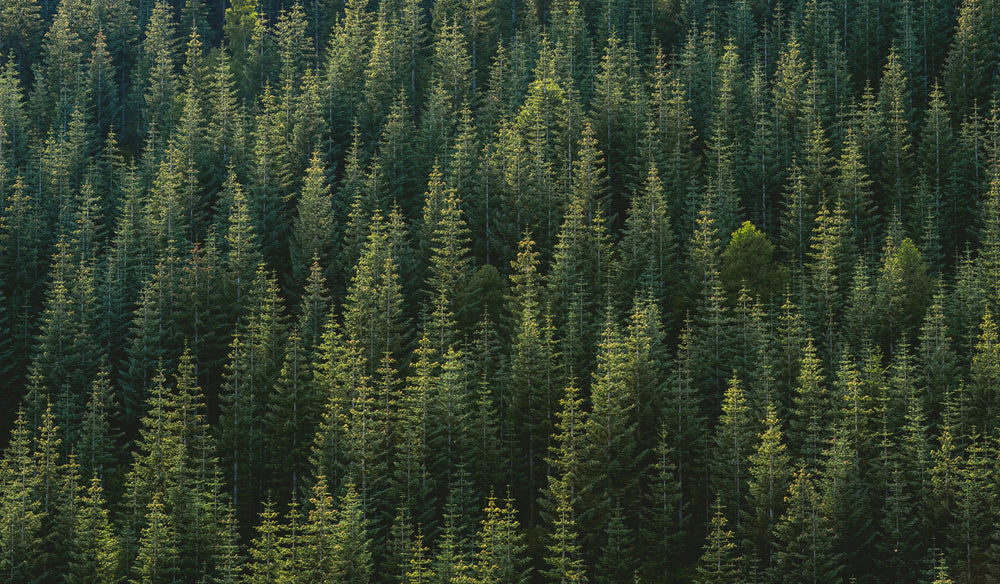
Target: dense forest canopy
x=499, y=291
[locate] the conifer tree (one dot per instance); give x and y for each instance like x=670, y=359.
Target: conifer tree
x=97, y=448
x=530, y=392
x=719, y=563
x=770, y=476
x=982, y=378
x=447, y=238
x=898, y=167
x=318, y=540
x=617, y=119
x=95, y=555
x=811, y=424
x=804, y=537
x=242, y=249
x=157, y=551
x=789, y=102
x=734, y=433
x=610, y=475
x=157, y=68
x=673, y=128
x=312, y=237
x=581, y=259
x=903, y=290
x=22, y=25
x=937, y=367
x=22, y=511
x=646, y=248
x=264, y=554
x=564, y=554
x=499, y=557
x=373, y=310
x=724, y=152
x=853, y=188
x=684, y=421
x=826, y=273
x=966, y=71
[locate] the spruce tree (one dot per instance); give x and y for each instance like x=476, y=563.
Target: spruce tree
x=530, y=394
x=719, y=563
x=770, y=476
x=312, y=238
x=804, y=537
x=95, y=553
x=563, y=556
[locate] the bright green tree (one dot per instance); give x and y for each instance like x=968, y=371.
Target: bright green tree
x=804, y=537
x=719, y=563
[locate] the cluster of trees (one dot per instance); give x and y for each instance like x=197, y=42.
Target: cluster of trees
x=500, y=292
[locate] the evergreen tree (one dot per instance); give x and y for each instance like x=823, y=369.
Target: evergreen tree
x=731, y=453
x=719, y=563
x=564, y=554
x=804, y=537
x=312, y=237
x=530, y=393
x=158, y=70
x=770, y=476
x=157, y=551
x=811, y=424
x=22, y=510
x=95, y=555
x=499, y=558
x=646, y=249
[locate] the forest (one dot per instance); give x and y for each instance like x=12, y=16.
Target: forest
x=499, y=291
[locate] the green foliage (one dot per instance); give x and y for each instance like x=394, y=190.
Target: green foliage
x=749, y=237
x=748, y=263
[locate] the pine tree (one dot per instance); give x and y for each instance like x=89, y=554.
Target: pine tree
x=225, y=130
x=854, y=189
x=982, y=378
x=672, y=133
x=719, y=563
x=646, y=248
x=21, y=514
x=770, y=476
x=734, y=433
x=937, y=367
x=811, y=424
x=903, y=290
x=318, y=545
x=610, y=474
x=789, y=102
x=156, y=546
x=967, y=69
x=898, y=167
x=419, y=570
x=530, y=393
x=264, y=554
x=157, y=68
x=684, y=423
x=353, y=558
x=724, y=151
x=580, y=261
x=373, y=311
x=564, y=554
x=97, y=448
x=617, y=119
x=805, y=537
x=826, y=271
x=95, y=555
x=312, y=238
x=500, y=555
x=243, y=253
x=447, y=239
